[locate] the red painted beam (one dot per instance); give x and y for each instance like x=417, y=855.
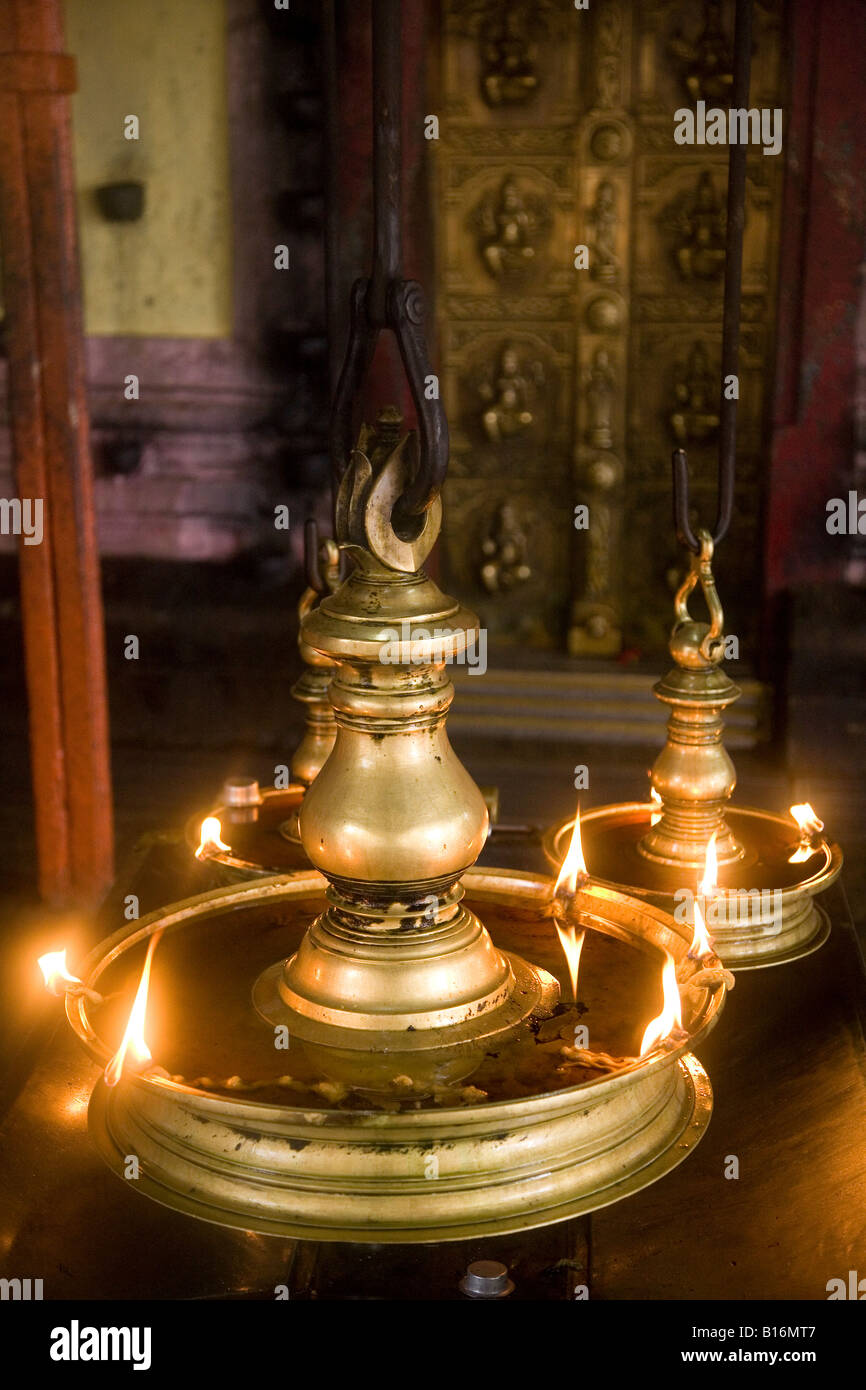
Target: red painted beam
x=61, y=601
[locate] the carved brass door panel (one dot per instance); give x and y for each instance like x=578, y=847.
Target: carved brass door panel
x=580, y=262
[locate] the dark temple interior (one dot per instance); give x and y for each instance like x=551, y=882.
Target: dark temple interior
x=176, y=305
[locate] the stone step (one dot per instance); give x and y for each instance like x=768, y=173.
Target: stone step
x=588, y=705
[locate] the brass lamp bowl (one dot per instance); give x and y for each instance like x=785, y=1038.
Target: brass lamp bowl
x=773, y=920
x=323, y=1160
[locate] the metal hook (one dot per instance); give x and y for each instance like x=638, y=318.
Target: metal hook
x=682, y=502
x=404, y=316
x=712, y=643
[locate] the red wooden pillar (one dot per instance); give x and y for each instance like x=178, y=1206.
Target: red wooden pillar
x=60, y=594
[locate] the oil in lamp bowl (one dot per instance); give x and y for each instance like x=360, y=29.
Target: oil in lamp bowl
x=410, y=1169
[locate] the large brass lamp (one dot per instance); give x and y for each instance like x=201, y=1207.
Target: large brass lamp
x=378, y=1048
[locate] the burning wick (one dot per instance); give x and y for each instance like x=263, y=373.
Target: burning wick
x=571, y=940
x=133, y=1039
x=572, y=876
x=810, y=828
x=670, y=1017
x=211, y=831
x=702, y=942
x=59, y=981
x=658, y=807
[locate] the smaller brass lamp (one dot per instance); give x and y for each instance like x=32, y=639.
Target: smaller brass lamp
x=762, y=911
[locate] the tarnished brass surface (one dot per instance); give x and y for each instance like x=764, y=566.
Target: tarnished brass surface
x=421, y=981
x=393, y=819
x=409, y=1175
x=379, y=471
x=311, y=690
x=693, y=775
x=765, y=911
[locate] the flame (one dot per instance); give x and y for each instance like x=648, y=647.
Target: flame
x=710, y=881
x=670, y=1016
x=658, y=804
x=133, y=1039
x=702, y=942
x=806, y=819
x=574, y=873
x=57, y=977
x=211, y=832
x=571, y=940
x=810, y=826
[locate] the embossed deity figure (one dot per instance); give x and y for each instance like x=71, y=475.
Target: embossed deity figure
x=701, y=253
x=707, y=62
x=510, y=248
x=510, y=395
x=696, y=390
x=604, y=265
x=505, y=552
x=509, y=75
x=600, y=389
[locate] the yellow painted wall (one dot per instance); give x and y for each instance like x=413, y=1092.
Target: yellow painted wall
x=169, y=274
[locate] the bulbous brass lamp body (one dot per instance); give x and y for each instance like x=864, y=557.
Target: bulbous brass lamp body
x=393, y=819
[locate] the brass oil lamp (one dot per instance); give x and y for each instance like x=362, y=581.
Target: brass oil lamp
x=768, y=869
x=757, y=873
x=382, y=1060
x=375, y=1048
x=251, y=831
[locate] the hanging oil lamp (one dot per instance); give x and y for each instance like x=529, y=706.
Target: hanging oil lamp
x=770, y=867
x=376, y=1048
